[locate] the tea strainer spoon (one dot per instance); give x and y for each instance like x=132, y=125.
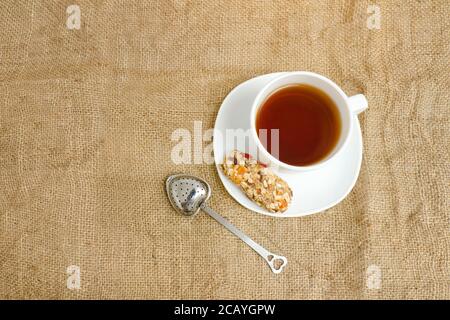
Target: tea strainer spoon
x=188, y=195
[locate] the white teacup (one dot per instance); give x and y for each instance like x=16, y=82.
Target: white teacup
x=347, y=106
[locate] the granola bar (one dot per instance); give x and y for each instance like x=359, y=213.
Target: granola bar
x=258, y=182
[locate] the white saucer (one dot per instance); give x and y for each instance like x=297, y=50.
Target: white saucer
x=314, y=191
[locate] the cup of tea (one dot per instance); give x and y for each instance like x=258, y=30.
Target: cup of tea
x=302, y=120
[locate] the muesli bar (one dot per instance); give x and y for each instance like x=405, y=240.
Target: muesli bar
x=258, y=182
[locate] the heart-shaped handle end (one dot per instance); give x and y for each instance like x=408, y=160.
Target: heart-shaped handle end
x=276, y=263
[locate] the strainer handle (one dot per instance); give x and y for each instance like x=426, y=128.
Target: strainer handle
x=276, y=262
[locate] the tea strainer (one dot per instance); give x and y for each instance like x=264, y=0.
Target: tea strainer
x=188, y=195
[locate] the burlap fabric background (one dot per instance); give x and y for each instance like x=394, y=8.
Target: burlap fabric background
x=86, y=118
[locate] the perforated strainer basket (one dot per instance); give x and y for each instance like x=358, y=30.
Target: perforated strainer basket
x=182, y=188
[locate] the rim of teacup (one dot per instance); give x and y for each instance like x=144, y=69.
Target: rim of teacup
x=264, y=93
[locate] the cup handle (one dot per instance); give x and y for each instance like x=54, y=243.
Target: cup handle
x=357, y=103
